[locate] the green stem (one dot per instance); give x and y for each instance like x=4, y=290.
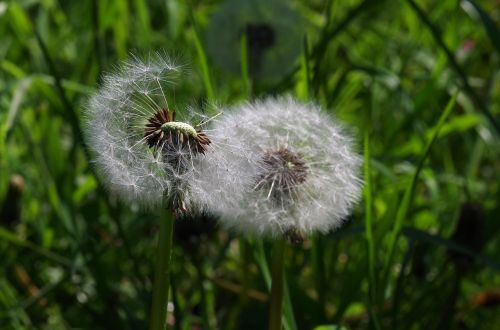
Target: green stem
x=207, y=297
x=162, y=272
x=319, y=274
x=276, y=298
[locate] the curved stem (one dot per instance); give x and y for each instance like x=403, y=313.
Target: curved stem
x=162, y=272
x=276, y=298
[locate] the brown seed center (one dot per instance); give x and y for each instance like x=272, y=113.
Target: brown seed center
x=282, y=170
x=177, y=142
x=173, y=140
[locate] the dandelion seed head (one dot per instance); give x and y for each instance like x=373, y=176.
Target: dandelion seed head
x=144, y=149
x=279, y=167
x=273, y=41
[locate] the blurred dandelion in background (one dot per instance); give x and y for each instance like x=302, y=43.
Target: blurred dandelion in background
x=273, y=31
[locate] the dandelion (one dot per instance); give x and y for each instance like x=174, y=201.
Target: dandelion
x=282, y=169
x=144, y=153
x=273, y=31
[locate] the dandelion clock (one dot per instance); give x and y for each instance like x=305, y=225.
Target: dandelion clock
x=281, y=169
x=146, y=146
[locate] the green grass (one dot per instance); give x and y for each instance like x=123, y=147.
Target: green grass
x=417, y=81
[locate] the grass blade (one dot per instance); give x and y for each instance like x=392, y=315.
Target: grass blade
x=369, y=230
x=450, y=245
x=260, y=257
x=319, y=52
x=304, y=84
x=472, y=7
x=454, y=64
x=21, y=89
x=244, y=65
x=408, y=195
x=7, y=236
x=328, y=34
x=202, y=62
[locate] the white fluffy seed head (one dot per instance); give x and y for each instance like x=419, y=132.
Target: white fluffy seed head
x=278, y=166
x=115, y=121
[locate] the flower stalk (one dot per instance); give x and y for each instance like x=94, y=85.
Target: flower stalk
x=162, y=272
x=276, y=298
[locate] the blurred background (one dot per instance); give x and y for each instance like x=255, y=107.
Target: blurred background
x=421, y=251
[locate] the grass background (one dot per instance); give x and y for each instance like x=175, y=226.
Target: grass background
x=419, y=82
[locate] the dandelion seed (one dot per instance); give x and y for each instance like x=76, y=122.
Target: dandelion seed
x=143, y=153
x=279, y=168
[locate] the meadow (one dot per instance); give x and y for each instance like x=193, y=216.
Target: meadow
x=418, y=83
